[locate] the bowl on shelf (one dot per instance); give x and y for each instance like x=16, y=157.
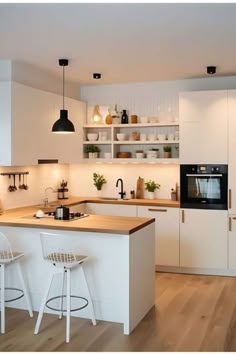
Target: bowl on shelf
x=124, y=154
x=92, y=136
x=121, y=136
x=161, y=136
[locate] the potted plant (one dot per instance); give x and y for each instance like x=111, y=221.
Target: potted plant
x=167, y=151
x=92, y=151
x=151, y=186
x=99, y=181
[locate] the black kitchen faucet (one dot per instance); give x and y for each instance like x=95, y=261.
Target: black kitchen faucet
x=122, y=193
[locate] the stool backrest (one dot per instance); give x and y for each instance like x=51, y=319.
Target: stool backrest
x=5, y=248
x=55, y=249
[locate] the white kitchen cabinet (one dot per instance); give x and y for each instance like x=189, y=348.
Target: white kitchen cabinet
x=203, y=127
x=203, y=238
x=166, y=235
x=232, y=150
x=111, y=209
x=27, y=118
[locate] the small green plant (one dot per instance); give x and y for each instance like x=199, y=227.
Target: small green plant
x=91, y=148
x=167, y=148
x=99, y=180
x=151, y=186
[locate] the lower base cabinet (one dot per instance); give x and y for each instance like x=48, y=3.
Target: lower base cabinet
x=167, y=233
x=203, y=238
x=232, y=242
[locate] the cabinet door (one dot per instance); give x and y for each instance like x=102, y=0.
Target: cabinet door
x=33, y=114
x=203, y=238
x=111, y=209
x=203, y=127
x=166, y=235
x=232, y=242
x=232, y=150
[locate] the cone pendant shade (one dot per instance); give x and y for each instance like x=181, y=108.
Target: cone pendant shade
x=63, y=125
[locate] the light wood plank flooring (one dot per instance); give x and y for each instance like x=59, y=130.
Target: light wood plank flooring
x=192, y=313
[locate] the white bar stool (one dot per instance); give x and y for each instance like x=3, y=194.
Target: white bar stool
x=7, y=257
x=55, y=250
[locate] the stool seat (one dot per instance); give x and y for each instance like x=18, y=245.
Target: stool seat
x=8, y=257
x=55, y=250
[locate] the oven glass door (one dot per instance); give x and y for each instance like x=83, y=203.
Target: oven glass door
x=204, y=187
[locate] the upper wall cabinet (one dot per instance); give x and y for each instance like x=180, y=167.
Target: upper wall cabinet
x=203, y=127
x=27, y=116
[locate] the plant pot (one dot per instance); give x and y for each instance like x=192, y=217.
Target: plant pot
x=167, y=154
x=99, y=193
x=93, y=155
x=151, y=195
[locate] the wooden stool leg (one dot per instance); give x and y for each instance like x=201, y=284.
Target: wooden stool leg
x=41, y=309
x=68, y=289
x=89, y=297
x=25, y=290
x=2, y=267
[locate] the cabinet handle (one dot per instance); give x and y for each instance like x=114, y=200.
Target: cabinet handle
x=182, y=216
x=230, y=224
x=234, y=218
x=160, y=210
x=230, y=199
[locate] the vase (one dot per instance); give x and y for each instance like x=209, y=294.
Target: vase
x=151, y=195
x=99, y=193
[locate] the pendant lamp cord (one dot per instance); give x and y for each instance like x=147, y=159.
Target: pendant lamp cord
x=63, y=85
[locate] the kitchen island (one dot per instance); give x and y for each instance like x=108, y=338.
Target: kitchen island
x=120, y=271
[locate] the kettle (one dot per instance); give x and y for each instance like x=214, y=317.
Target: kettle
x=62, y=213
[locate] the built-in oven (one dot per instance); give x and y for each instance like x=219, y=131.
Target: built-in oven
x=204, y=186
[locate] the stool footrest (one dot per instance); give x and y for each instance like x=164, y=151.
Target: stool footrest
x=15, y=298
x=64, y=296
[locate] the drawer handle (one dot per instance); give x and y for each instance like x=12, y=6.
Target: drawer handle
x=160, y=210
x=182, y=216
x=230, y=224
x=230, y=199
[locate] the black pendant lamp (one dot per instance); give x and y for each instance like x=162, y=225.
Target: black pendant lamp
x=63, y=125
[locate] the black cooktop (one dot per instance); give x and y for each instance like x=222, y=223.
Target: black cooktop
x=72, y=216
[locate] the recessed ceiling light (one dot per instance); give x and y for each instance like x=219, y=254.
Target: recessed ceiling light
x=97, y=76
x=211, y=70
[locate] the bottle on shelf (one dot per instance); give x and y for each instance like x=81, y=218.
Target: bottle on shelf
x=124, y=117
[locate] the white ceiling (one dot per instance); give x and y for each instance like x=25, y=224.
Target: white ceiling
x=125, y=42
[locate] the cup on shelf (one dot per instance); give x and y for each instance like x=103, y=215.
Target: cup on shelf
x=134, y=119
x=143, y=136
x=171, y=136
x=107, y=155
x=153, y=119
x=151, y=137
x=161, y=136
x=143, y=119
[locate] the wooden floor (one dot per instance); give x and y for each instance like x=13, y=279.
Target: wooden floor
x=192, y=313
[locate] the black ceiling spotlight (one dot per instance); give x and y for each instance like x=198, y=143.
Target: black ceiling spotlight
x=63, y=125
x=97, y=76
x=211, y=70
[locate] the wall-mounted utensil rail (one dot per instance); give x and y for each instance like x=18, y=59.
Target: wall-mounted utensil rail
x=12, y=187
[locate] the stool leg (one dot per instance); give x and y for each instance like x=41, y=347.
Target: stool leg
x=68, y=306
x=89, y=297
x=40, y=315
x=25, y=290
x=2, y=267
x=62, y=292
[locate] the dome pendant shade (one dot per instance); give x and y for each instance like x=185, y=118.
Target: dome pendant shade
x=63, y=124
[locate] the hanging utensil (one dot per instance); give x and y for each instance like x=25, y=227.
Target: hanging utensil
x=26, y=187
x=10, y=188
x=14, y=183
x=20, y=185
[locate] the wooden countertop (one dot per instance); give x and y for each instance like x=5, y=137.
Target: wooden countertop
x=145, y=202
x=23, y=217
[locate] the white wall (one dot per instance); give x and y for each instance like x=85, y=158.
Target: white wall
x=81, y=178
x=39, y=178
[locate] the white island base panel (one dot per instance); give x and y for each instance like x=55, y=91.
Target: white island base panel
x=119, y=271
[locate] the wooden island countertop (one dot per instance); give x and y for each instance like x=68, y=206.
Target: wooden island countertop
x=23, y=217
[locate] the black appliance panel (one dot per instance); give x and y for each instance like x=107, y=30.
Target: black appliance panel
x=204, y=186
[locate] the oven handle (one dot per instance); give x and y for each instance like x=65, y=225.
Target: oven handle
x=204, y=175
